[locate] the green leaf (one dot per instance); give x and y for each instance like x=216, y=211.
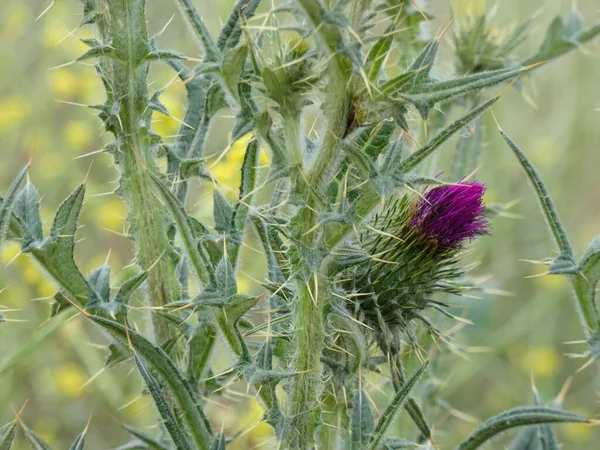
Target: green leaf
x=99, y=283
x=169, y=421
x=589, y=269
x=219, y=443
x=185, y=227
x=244, y=121
x=7, y=435
x=529, y=439
x=226, y=285
x=223, y=213
x=27, y=210
x=247, y=187
x=161, y=364
x=56, y=252
x=558, y=231
x=200, y=30
x=377, y=54
x=150, y=442
x=35, y=441
x=424, y=62
x=232, y=68
x=516, y=417
x=232, y=30
x=426, y=95
x=363, y=422
x=397, y=444
x=79, y=441
x=562, y=36
x=398, y=402
x=129, y=287
x=6, y=204
x=417, y=157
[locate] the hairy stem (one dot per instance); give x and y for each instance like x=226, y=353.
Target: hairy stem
x=127, y=74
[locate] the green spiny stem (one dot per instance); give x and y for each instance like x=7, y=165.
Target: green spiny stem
x=309, y=330
x=128, y=79
x=200, y=30
x=312, y=299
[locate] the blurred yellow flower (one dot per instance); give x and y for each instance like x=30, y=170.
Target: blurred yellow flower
x=69, y=379
x=51, y=165
x=30, y=274
x=90, y=88
x=52, y=34
x=111, y=214
x=541, y=361
x=16, y=18
x=13, y=110
x=63, y=82
x=15, y=296
x=165, y=125
x=46, y=288
x=551, y=281
x=10, y=250
x=227, y=170
x=77, y=134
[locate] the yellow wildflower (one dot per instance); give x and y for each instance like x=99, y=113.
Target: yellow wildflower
x=13, y=110
x=69, y=379
x=63, y=82
x=77, y=134
x=10, y=251
x=541, y=361
x=16, y=18
x=111, y=214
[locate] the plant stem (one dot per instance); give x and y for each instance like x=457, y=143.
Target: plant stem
x=127, y=73
x=312, y=297
x=309, y=330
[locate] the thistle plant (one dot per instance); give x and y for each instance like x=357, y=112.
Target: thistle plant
x=363, y=234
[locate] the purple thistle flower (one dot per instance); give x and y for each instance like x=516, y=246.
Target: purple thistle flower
x=452, y=214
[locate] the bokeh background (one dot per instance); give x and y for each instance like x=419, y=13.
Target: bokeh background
x=521, y=327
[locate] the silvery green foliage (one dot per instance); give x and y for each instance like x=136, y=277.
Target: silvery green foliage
x=343, y=222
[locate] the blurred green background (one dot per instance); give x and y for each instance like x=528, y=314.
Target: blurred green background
x=519, y=335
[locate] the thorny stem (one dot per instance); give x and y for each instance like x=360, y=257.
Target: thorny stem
x=147, y=217
x=312, y=299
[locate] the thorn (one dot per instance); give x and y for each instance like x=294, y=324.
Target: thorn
x=445, y=30
x=434, y=349
x=585, y=366
x=88, y=173
x=95, y=152
x=496, y=121
x=137, y=156
x=563, y=392
x=32, y=154
x=414, y=3
x=45, y=10
x=60, y=66
x=533, y=66
x=538, y=275
x=472, y=173
x=75, y=305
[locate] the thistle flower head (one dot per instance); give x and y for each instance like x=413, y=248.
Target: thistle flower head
x=452, y=214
